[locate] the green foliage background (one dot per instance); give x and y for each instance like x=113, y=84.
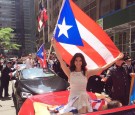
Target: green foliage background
x=6, y=34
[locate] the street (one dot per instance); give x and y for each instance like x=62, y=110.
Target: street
x=7, y=105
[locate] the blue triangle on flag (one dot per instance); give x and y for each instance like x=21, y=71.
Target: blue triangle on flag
x=40, y=52
x=70, y=35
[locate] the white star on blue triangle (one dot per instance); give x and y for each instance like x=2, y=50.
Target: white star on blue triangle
x=66, y=30
x=63, y=28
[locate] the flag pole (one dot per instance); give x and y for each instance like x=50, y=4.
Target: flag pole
x=43, y=36
x=48, y=32
x=43, y=28
x=49, y=53
x=131, y=85
x=48, y=20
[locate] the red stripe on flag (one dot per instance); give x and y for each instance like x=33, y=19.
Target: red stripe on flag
x=40, y=61
x=63, y=53
x=93, y=54
x=101, y=105
x=94, y=104
x=94, y=29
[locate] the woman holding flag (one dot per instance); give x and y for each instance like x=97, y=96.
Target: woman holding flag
x=78, y=76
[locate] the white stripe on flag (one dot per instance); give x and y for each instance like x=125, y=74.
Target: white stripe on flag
x=94, y=42
x=72, y=49
x=97, y=106
x=40, y=23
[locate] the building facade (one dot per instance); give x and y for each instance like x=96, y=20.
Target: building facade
x=19, y=15
x=10, y=18
x=29, y=26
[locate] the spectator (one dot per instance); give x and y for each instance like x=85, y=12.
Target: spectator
x=5, y=78
x=1, y=67
x=29, y=62
x=51, y=62
x=130, y=64
x=95, y=84
x=118, y=82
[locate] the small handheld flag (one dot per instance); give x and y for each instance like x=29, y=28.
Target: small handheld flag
x=42, y=17
x=41, y=54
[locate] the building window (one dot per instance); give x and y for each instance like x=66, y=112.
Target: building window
x=50, y=5
x=109, y=6
x=104, y=7
x=90, y=10
x=93, y=14
x=133, y=35
x=122, y=41
x=133, y=47
x=117, y=4
x=129, y=2
x=133, y=39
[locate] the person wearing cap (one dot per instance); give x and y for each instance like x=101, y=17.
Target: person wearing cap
x=118, y=82
x=130, y=64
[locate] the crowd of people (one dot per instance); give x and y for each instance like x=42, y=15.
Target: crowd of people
x=9, y=65
x=114, y=80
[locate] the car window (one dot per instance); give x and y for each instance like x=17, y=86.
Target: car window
x=33, y=73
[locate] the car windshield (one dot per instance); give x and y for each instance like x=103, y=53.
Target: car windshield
x=21, y=66
x=33, y=73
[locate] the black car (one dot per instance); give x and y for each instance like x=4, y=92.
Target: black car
x=33, y=81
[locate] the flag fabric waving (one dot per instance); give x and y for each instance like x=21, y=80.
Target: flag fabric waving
x=76, y=32
x=42, y=17
x=98, y=104
x=41, y=54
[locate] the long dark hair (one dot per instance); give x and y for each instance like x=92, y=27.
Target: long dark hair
x=72, y=63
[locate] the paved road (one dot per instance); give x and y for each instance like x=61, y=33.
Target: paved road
x=7, y=104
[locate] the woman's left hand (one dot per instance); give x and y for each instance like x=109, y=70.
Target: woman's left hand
x=120, y=56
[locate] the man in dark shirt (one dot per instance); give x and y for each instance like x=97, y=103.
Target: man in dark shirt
x=1, y=66
x=118, y=82
x=95, y=84
x=5, y=78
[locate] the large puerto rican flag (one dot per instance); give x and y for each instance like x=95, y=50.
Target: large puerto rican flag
x=76, y=32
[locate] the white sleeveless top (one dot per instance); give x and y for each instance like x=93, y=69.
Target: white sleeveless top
x=78, y=83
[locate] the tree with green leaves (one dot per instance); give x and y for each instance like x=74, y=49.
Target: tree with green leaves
x=6, y=36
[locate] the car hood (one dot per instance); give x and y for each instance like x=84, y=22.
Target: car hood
x=61, y=98
x=44, y=85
